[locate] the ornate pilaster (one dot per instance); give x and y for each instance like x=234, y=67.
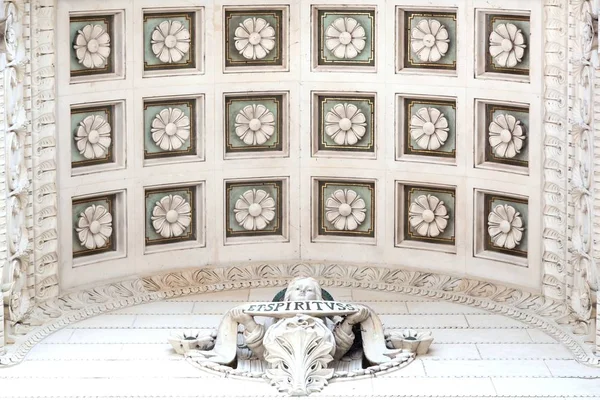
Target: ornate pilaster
x=17, y=272
x=43, y=90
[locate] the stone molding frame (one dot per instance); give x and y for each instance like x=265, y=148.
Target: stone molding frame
x=68, y=308
x=570, y=205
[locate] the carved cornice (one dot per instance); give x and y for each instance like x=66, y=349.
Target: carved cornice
x=531, y=308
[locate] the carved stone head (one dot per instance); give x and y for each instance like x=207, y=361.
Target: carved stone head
x=303, y=289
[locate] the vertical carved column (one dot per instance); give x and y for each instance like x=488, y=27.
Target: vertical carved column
x=3, y=193
x=16, y=282
x=45, y=257
x=582, y=280
x=555, y=147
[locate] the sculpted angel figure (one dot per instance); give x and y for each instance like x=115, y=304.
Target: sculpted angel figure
x=302, y=339
x=303, y=289
x=343, y=325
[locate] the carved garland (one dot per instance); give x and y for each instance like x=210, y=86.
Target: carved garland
x=531, y=308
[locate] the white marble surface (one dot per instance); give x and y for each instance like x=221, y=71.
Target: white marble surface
x=125, y=354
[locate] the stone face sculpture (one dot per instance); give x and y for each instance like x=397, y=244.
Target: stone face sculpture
x=302, y=342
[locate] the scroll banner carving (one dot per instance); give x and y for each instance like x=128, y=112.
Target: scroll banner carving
x=288, y=309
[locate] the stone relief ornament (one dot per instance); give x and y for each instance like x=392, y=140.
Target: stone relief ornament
x=16, y=269
x=186, y=341
x=428, y=216
x=299, y=350
x=345, y=210
x=507, y=45
x=410, y=340
x=429, y=40
x=93, y=137
x=170, y=129
x=345, y=38
x=94, y=227
x=345, y=124
x=506, y=136
x=254, y=38
x=429, y=128
x=12, y=31
x=170, y=41
x=302, y=342
x=505, y=226
x=171, y=216
x=92, y=46
x=254, y=210
x=254, y=124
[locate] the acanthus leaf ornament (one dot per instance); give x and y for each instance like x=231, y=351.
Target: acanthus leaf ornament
x=254, y=210
x=92, y=46
x=94, y=227
x=345, y=38
x=171, y=216
x=299, y=350
x=254, y=38
x=507, y=45
x=170, y=41
x=430, y=40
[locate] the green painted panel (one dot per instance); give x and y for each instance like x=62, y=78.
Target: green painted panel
x=366, y=19
x=366, y=191
x=234, y=191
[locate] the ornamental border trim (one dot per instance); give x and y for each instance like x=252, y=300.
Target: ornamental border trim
x=531, y=308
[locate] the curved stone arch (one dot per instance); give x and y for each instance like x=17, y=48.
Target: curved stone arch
x=534, y=309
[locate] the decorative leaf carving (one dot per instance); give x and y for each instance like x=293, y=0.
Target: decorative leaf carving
x=299, y=350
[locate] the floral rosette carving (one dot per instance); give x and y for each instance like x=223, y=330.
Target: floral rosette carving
x=345, y=210
x=93, y=137
x=170, y=129
x=505, y=226
x=94, y=227
x=170, y=41
x=429, y=128
x=92, y=46
x=255, y=124
x=428, y=216
x=429, y=40
x=345, y=38
x=506, y=136
x=345, y=124
x=254, y=38
x=254, y=210
x=171, y=216
x=507, y=45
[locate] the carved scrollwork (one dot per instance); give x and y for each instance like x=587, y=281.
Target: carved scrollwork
x=299, y=350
